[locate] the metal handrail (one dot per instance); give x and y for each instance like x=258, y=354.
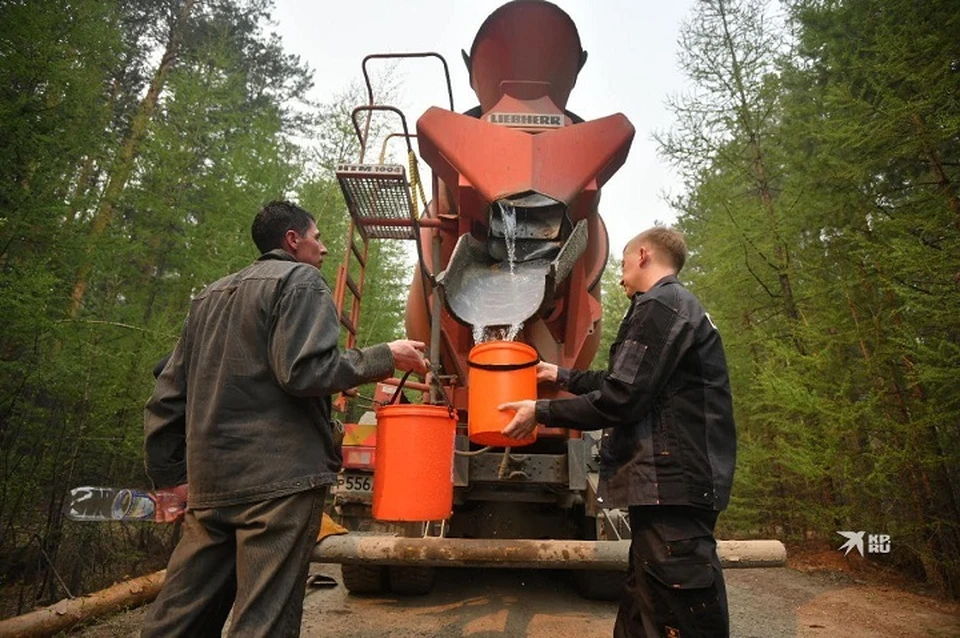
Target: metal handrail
x=401, y=56
x=383, y=147
x=370, y=102
x=370, y=108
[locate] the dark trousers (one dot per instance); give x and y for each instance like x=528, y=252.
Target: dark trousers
x=253, y=556
x=674, y=585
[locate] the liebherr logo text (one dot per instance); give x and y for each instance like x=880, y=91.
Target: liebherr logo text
x=526, y=119
x=876, y=543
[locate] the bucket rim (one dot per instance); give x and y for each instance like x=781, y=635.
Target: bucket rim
x=502, y=367
x=502, y=343
x=417, y=408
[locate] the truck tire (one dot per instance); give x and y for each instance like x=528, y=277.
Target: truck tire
x=599, y=585
x=411, y=581
x=364, y=579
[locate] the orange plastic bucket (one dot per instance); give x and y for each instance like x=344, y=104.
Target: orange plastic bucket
x=500, y=371
x=413, y=469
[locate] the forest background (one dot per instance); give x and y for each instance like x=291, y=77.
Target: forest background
x=820, y=157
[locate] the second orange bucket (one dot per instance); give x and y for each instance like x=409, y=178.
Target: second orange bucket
x=500, y=371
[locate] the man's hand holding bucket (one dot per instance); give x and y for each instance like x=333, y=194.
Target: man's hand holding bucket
x=525, y=420
x=408, y=355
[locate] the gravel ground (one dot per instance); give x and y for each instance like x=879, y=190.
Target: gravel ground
x=764, y=603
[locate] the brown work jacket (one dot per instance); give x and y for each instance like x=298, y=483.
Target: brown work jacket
x=242, y=409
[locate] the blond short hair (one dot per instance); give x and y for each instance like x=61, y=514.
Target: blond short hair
x=669, y=241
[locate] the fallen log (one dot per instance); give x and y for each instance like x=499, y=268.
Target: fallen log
x=517, y=553
x=70, y=612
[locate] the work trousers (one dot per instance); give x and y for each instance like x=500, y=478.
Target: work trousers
x=674, y=586
x=256, y=553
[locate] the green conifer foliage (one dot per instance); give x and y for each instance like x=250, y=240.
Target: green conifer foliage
x=828, y=155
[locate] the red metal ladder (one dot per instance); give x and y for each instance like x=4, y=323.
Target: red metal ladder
x=378, y=200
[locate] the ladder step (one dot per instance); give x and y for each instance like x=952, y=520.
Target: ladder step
x=354, y=288
x=378, y=198
x=358, y=254
x=348, y=324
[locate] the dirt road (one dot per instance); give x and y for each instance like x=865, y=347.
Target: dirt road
x=765, y=603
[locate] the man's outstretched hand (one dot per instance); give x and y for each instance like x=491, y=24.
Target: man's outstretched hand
x=524, y=421
x=408, y=355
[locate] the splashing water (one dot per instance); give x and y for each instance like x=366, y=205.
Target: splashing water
x=483, y=334
x=479, y=334
x=509, y=215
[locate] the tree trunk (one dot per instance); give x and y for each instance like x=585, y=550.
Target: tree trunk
x=70, y=612
x=947, y=187
x=129, y=150
x=758, y=168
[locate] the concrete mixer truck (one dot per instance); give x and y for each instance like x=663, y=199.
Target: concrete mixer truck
x=510, y=250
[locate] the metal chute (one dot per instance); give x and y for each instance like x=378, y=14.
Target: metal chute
x=480, y=290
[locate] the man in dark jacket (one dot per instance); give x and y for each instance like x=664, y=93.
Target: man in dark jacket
x=669, y=446
x=243, y=409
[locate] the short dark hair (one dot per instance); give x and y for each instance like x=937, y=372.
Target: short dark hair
x=274, y=220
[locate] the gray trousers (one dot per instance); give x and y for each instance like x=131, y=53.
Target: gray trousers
x=252, y=556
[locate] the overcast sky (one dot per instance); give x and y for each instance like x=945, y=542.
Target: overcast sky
x=632, y=68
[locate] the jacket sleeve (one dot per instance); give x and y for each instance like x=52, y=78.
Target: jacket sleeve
x=656, y=341
x=304, y=355
x=164, y=425
x=582, y=381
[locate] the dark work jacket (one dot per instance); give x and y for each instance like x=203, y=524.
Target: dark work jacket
x=665, y=403
x=243, y=406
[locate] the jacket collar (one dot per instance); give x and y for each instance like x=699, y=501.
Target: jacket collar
x=276, y=253
x=663, y=281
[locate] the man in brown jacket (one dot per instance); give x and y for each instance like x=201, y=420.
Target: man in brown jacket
x=243, y=409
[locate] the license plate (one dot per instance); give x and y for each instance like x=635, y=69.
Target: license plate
x=355, y=482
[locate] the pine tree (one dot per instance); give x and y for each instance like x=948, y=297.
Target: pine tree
x=129, y=205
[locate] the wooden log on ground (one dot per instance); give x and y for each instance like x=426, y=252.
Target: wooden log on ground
x=71, y=612
x=383, y=549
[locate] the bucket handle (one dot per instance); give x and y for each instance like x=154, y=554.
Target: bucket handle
x=502, y=367
x=396, y=392
x=443, y=394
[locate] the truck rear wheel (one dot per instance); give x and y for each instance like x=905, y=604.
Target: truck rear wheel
x=411, y=581
x=364, y=579
x=599, y=585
